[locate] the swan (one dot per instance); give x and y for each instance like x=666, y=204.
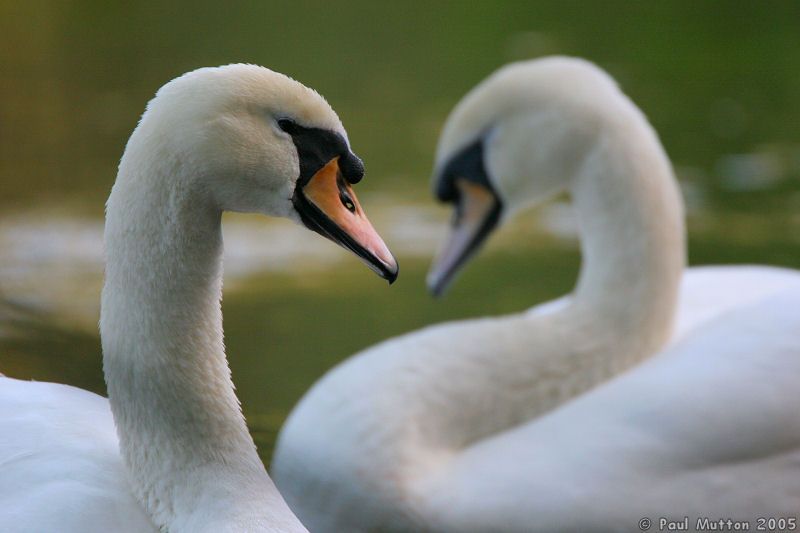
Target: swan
x=169, y=450
x=651, y=391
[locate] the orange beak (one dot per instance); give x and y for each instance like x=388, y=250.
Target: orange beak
x=327, y=204
x=477, y=214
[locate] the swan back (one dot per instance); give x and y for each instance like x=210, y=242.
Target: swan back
x=59, y=453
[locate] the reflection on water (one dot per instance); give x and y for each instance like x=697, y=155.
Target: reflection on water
x=287, y=321
x=67, y=252
x=39, y=345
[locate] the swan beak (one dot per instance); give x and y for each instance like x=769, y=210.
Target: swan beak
x=477, y=211
x=327, y=204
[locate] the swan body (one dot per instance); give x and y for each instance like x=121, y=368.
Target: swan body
x=61, y=467
x=651, y=390
x=169, y=450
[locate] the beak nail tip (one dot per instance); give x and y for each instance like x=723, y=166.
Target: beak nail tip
x=435, y=288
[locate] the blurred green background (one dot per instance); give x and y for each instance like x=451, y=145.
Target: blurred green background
x=720, y=81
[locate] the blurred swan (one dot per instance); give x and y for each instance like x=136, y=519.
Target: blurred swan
x=649, y=391
x=239, y=138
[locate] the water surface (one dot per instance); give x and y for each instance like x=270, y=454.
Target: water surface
x=719, y=81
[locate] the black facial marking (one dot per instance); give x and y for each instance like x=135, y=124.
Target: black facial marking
x=287, y=125
x=468, y=165
x=352, y=167
x=316, y=147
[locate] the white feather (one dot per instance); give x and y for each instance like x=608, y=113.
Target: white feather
x=650, y=391
x=184, y=460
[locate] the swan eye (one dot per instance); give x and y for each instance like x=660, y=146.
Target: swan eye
x=289, y=126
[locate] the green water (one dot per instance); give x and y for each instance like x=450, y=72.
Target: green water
x=716, y=79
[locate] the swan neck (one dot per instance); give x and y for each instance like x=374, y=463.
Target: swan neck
x=191, y=460
x=439, y=394
x=630, y=218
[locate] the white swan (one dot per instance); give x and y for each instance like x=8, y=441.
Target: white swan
x=537, y=421
x=240, y=138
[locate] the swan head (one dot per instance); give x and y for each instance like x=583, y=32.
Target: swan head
x=515, y=140
x=253, y=140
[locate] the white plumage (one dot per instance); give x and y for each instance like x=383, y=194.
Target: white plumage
x=180, y=458
x=650, y=391
x=59, y=456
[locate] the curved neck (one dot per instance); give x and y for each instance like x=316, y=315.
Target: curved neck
x=622, y=310
x=191, y=460
x=630, y=217
x=478, y=378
